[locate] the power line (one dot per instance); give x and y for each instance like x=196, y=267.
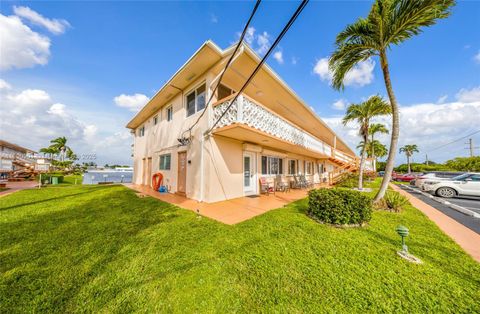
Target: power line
x=277, y=40
x=459, y=139
x=226, y=66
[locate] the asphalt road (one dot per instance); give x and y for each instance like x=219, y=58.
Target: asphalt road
x=470, y=203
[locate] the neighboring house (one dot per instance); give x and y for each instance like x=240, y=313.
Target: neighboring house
x=15, y=158
x=269, y=131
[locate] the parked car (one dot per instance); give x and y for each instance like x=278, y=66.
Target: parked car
x=381, y=173
x=406, y=177
x=467, y=184
x=440, y=175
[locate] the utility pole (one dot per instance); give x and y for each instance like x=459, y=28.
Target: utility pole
x=426, y=159
x=471, y=147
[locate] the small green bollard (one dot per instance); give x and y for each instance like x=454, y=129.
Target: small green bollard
x=403, y=232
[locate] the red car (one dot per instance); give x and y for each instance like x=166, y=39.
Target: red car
x=404, y=177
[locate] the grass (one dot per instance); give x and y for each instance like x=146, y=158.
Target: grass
x=103, y=249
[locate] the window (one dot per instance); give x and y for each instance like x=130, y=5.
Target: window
x=475, y=178
x=165, y=161
x=292, y=167
x=196, y=100
x=321, y=168
x=308, y=167
x=155, y=120
x=272, y=165
x=141, y=131
x=223, y=91
x=169, y=113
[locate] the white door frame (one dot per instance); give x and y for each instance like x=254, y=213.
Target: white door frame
x=252, y=172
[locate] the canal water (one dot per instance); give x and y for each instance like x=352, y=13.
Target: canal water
x=96, y=176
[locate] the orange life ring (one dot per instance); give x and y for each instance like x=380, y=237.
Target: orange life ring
x=157, y=180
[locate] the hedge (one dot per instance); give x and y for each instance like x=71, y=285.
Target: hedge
x=339, y=206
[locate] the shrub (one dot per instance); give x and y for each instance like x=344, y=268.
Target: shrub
x=48, y=177
x=339, y=206
x=393, y=201
x=349, y=180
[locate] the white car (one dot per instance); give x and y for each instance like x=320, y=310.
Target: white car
x=435, y=176
x=465, y=184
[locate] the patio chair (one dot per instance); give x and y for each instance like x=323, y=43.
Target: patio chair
x=265, y=186
x=280, y=185
x=306, y=182
x=297, y=183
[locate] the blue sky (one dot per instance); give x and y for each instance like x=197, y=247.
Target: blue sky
x=100, y=50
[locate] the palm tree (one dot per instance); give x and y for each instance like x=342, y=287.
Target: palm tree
x=362, y=113
x=374, y=149
x=49, y=151
x=409, y=150
x=60, y=144
x=374, y=129
x=390, y=22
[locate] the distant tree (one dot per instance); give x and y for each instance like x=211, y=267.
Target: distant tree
x=49, y=152
x=465, y=163
x=60, y=144
x=409, y=150
x=389, y=23
x=362, y=114
x=377, y=128
x=374, y=149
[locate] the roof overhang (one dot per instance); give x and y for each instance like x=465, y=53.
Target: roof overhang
x=204, y=58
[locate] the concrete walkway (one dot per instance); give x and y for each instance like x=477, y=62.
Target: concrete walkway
x=18, y=186
x=228, y=212
x=466, y=238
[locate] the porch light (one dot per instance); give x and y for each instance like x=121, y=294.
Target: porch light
x=403, y=232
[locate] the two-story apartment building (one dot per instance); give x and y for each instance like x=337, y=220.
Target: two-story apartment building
x=268, y=131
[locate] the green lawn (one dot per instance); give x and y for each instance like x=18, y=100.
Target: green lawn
x=103, y=249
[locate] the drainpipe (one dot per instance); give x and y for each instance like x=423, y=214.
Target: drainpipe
x=202, y=146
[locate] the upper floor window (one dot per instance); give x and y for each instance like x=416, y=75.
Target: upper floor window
x=155, y=120
x=165, y=161
x=272, y=165
x=141, y=131
x=169, y=113
x=196, y=100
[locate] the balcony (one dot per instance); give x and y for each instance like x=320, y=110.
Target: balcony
x=248, y=120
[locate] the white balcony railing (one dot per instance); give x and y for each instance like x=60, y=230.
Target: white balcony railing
x=248, y=112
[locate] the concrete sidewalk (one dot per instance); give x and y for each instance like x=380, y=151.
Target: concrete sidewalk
x=466, y=238
x=18, y=186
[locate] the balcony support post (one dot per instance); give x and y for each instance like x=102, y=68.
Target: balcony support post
x=240, y=108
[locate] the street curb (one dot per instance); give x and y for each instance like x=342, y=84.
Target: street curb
x=458, y=208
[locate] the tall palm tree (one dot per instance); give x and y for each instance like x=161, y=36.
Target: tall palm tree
x=362, y=114
x=390, y=22
x=60, y=144
x=409, y=150
x=49, y=151
x=374, y=129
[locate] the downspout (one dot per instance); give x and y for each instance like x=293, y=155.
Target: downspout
x=202, y=146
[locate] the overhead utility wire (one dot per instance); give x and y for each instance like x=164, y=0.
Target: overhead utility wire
x=462, y=138
x=240, y=40
x=280, y=36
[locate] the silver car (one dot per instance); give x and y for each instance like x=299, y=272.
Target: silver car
x=467, y=184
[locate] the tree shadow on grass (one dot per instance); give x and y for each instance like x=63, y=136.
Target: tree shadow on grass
x=50, y=257
x=96, y=189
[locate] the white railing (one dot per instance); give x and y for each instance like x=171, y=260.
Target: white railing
x=248, y=112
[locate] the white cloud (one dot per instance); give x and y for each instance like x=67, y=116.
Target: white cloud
x=442, y=99
x=213, y=18
x=259, y=42
x=428, y=125
x=31, y=118
x=55, y=26
x=278, y=55
x=340, y=104
x=294, y=60
x=469, y=95
x=360, y=75
x=131, y=102
x=4, y=85
x=477, y=57
x=21, y=47
x=263, y=42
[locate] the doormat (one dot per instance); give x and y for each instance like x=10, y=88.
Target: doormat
x=253, y=196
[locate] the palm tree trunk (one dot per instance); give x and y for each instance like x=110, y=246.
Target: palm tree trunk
x=408, y=164
x=395, y=128
x=362, y=166
x=373, y=157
